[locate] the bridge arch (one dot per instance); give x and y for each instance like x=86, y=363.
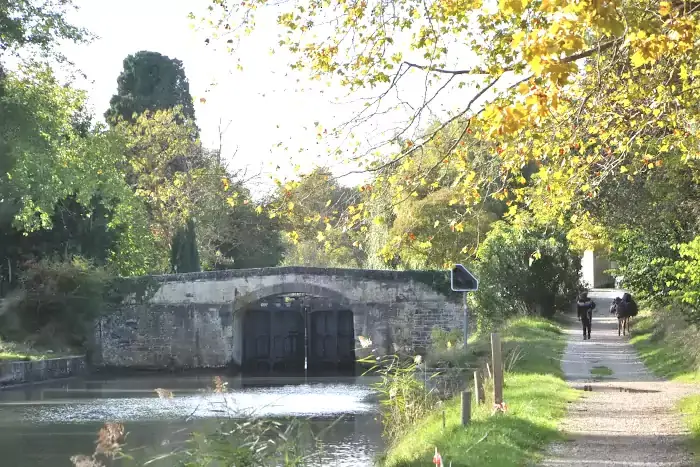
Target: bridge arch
x=288, y=288
x=295, y=327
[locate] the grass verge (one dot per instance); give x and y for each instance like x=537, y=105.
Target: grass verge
x=690, y=409
x=534, y=391
x=601, y=371
x=668, y=347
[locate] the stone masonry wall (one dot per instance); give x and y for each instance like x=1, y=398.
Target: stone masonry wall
x=195, y=320
x=21, y=372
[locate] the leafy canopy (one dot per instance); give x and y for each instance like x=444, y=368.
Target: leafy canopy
x=52, y=161
x=579, y=91
x=314, y=212
x=46, y=157
x=35, y=23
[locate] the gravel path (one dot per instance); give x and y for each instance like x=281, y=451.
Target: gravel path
x=626, y=419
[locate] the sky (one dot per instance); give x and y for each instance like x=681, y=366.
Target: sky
x=258, y=107
x=251, y=105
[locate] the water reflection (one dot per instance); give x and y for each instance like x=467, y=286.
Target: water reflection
x=44, y=425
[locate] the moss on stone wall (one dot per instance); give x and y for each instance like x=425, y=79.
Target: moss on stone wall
x=438, y=281
x=141, y=289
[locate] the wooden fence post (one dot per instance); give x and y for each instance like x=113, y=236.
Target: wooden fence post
x=466, y=407
x=479, y=395
x=497, y=363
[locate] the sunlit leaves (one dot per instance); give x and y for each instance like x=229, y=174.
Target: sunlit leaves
x=51, y=161
x=48, y=160
x=601, y=91
x=162, y=156
x=39, y=23
x=293, y=236
x=315, y=211
x=509, y=7
x=685, y=278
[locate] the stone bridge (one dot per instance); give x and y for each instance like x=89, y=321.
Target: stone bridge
x=271, y=318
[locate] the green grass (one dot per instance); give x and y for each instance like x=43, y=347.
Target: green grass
x=601, y=371
x=667, y=345
x=10, y=351
x=536, y=396
x=690, y=408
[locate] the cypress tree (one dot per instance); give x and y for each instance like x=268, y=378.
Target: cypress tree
x=184, y=255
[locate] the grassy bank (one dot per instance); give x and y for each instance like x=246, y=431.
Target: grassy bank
x=536, y=396
x=10, y=351
x=690, y=408
x=668, y=347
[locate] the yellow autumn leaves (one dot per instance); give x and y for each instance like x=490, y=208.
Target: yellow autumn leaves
x=512, y=6
x=533, y=104
x=677, y=35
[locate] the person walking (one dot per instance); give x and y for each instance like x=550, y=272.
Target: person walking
x=584, y=309
x=631, y=309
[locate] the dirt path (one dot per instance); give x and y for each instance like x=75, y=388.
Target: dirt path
x=625, y=419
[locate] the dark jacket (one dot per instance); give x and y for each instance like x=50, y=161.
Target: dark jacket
x=629, y=306
x=584, y=308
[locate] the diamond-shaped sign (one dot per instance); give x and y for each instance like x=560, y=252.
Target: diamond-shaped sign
x=461, y=280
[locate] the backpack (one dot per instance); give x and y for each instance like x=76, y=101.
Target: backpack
x=631, y=307
x=621, y=309
x=617, y=307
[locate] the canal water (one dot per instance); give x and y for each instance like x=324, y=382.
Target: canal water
x=44, y=425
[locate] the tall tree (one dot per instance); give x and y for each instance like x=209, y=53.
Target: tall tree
x=150, y=81
x=184, y=251
x=312, y=209
x=62, y=186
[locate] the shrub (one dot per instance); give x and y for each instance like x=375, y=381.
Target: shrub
x=643, y=257
x=441, y=339
x=404, y=400
x=55, y=304
x=684, y=281
x=524, y=271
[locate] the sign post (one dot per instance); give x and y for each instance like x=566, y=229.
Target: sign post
x=461, y=280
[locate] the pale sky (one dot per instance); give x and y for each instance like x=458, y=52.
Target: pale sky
x=253, y=101
x=260, y=102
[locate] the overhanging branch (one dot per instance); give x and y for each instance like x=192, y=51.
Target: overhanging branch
x=476, y=71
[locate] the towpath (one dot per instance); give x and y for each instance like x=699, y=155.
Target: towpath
x=624, y=419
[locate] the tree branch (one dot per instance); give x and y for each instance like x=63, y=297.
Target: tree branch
x=475, y=71
x=429, y=137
